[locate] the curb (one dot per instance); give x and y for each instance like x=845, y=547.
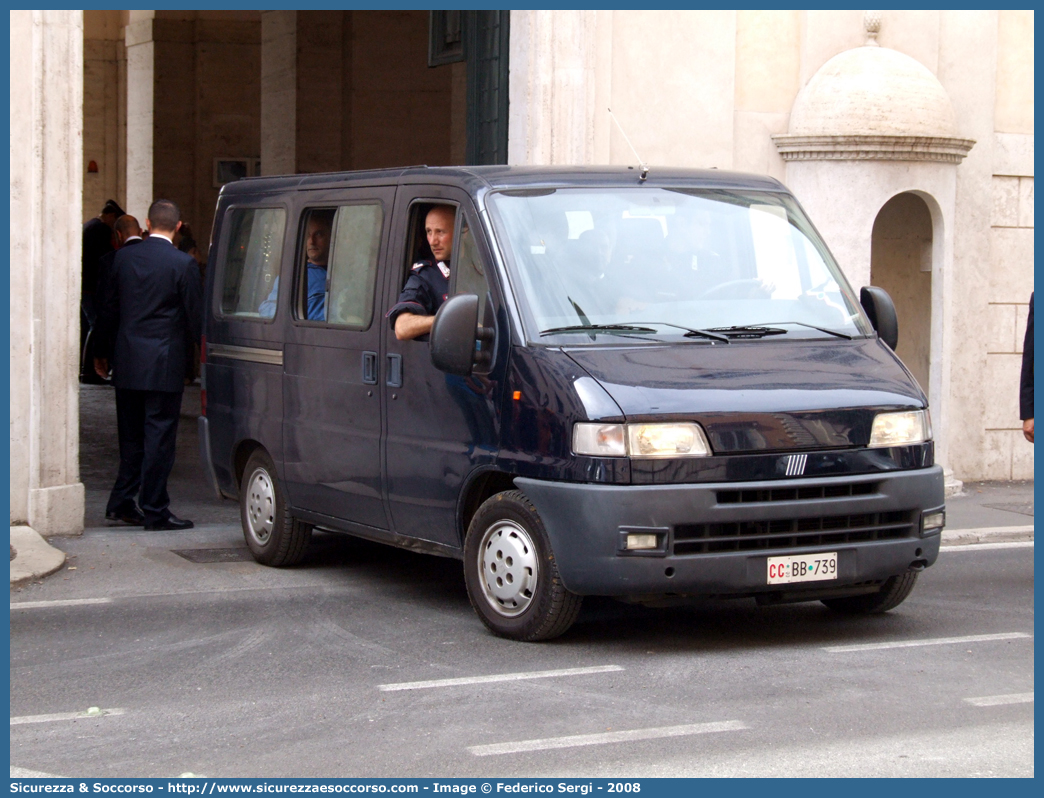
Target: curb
x=996, y=534
x=34, y=556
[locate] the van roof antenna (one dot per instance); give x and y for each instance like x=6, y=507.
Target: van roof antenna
x=643, y=168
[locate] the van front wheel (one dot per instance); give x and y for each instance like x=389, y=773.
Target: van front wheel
x=272, y=534
x=510, y=571
x=892, y=593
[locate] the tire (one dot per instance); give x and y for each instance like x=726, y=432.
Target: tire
x=510, y=572
x=892, y=593
x=272, y=534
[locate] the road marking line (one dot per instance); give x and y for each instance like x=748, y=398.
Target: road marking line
x=577, y=740
x=1013, y=544
x=32, y=605
x=500, y=677
x=936, y=641
x=17, y=721
x=37, y=605
x=997, y=700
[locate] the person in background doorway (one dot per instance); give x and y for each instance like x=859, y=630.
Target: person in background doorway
x=98, y=240
x=127, y=233
x=187, y=243
x=1026, y=380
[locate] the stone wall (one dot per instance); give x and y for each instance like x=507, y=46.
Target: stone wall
x=104, y=110
x=1009, y=456
x=710, y=88
x=207, y=105
x=1011, y=246
x=352, y=90
x=400, y=108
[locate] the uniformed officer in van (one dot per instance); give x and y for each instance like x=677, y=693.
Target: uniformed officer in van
x=428, y=283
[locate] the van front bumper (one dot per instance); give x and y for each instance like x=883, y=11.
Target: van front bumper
x=716, y=538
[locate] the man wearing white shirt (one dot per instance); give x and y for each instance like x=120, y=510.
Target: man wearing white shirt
x=151, y=312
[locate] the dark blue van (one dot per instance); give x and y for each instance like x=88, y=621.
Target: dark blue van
x=635, y=385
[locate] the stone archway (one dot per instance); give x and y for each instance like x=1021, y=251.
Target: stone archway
x=901, y=260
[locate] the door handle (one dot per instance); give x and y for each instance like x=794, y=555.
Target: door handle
x=369, y=368
x=394, y=379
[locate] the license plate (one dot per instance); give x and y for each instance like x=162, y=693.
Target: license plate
x=802, y=568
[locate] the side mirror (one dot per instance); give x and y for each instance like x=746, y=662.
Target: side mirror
x=453, y=335
x=879, y=307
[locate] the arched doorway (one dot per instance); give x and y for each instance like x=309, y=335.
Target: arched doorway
x=901, y=263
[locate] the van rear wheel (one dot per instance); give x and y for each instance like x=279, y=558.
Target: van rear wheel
x=272, y=534
x=892, y=593
x=510, y=571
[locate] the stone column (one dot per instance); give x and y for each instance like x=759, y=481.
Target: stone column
x=278, y=92
x=141, y=70
x=553, y=87
x=46, y=190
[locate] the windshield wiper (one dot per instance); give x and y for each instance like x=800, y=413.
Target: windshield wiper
x=748, y=331
x=846, y=336
x=624, y=328
x=691, y=332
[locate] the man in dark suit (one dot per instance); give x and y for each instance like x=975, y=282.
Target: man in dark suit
x=151, y=311
x=1026, y=380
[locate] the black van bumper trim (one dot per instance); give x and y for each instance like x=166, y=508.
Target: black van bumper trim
x=272, y=357
x=203, y=428
x=584, y=521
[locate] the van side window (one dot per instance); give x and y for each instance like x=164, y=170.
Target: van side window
x=353, y=264
x=468, y=267
x=252, y=258
x=427, y=278
x=313, y=264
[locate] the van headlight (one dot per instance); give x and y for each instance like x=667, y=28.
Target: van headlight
x=640, y=440
x=666, y=440
x=900, y=429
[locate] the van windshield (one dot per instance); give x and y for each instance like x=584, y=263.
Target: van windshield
x=659, y=264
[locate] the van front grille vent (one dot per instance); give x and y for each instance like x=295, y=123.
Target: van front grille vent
x=793, y=533
x=810, y=493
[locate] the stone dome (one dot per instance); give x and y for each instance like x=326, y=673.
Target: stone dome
x=873, y=91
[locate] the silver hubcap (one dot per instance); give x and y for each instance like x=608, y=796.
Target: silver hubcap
x=508, y=568
x=260, y=506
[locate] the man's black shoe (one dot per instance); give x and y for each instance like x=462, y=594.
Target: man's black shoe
x=131, y=517
x=172, y=523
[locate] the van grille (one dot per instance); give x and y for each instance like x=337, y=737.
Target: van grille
x=796, y=494
x=793, y=533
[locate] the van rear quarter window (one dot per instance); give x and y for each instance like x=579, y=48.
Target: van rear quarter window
x=252, y=258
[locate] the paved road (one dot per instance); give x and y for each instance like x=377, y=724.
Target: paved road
x=230, y=669
x=191, y=496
